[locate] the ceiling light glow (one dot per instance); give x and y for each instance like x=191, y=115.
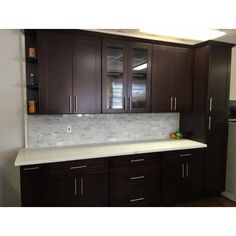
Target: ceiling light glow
x=140, y=67
x=194, y=34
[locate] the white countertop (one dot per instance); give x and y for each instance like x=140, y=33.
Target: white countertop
x=70, y=153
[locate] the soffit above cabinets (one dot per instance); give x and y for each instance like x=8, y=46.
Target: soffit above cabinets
x=230, y=36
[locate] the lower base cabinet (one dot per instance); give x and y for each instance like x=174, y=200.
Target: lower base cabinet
x=143, y=180
x=182, y=176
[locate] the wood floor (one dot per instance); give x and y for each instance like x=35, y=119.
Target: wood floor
x=218, y=201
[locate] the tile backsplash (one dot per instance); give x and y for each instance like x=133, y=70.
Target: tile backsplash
x=51, y=130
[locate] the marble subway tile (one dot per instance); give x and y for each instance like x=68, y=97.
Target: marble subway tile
x=50, y=130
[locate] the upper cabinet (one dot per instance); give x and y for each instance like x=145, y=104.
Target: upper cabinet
x=172, y=79
x=126, y=76
x=69, y=73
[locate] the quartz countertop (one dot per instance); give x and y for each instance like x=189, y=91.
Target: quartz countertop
x=32, y=156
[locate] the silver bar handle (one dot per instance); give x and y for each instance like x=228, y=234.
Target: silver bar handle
x=81, y=186
x=78, y=167
x=31, y=168
x=185, y=155
x=182, y=170
x=137, y=199
x=130, y=103
x=137, y=160
x=209, y=123
x=124, y=103
x=175, y=103
x=75, y=186
x=70, y=103
x=210, y=107
x=171, y=103
x=137, y=177
x=75, y=103
x=187, y=170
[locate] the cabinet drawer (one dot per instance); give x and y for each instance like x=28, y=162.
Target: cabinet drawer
x=135, y=160
x=139, y=176
x=78, y=167
x=135, y=197
x=185, y=153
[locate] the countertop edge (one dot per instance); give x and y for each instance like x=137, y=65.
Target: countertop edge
x=72, y=158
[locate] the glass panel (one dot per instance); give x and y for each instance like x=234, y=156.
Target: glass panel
x=139, y=77
x=115, y=78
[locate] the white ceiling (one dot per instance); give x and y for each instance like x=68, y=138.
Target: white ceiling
x=230, y=36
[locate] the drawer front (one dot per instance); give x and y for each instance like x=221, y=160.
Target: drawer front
x=140, y=176
x=134, y=160
x=185, y=154
x=135, y=198
x=78, y=167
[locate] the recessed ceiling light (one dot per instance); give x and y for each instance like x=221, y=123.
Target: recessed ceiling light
x=200, y=35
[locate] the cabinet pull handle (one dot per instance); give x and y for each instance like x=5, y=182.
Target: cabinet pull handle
x=182, y=170
x=185, y=155
x=31, y=168
x=81, y=186
x=70, y=102
x=210, y=107
x=137, y=160
x=171, y=103
x=75, y=103
x=209, y=123
x=137, y=199
x=77, y=167
x=175, y=103
x=124, y=103
x=75, y=186
x=187, y=170
x=138, y=177
x=130, y=103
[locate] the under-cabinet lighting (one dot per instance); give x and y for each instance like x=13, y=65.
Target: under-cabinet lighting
x=201, y=35
x=140, y=67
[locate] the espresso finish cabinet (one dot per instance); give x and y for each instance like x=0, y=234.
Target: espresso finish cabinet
x=151, y=179
x=210, y=110
x=67, y=184
x=172, y=79
x=135, y=180
x=126, y=74
x=69, y=68
x=182, y=176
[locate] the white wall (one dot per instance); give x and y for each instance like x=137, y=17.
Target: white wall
x=233, y=75
x=11, y=115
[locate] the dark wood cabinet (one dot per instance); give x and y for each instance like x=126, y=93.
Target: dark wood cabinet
x=55, y=72
x=74, y=183
x=126, y=76
x=86, y=74
x=135, y=180
x=210, y=110
x=182, y=176
x=69, y=73
x=172, y=78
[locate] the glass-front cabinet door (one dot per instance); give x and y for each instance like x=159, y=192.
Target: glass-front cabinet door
x=139, y=78
x=114, y=76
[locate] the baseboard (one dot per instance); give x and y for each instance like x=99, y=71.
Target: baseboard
x=229, y=196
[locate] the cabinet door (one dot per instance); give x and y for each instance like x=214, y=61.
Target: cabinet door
x=86, y=75
x=34, y=186
x=162, y=78
x=139, y=77
x=93, y=190
x=55, y=72
x=194, y=176
x=114, y=70
x=183, y=79
x=64, y=191
x=172, y=179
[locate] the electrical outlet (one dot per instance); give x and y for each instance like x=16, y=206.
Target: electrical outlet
x=68, y=129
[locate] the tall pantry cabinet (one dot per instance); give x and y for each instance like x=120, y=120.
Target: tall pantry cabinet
x=208, y=122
